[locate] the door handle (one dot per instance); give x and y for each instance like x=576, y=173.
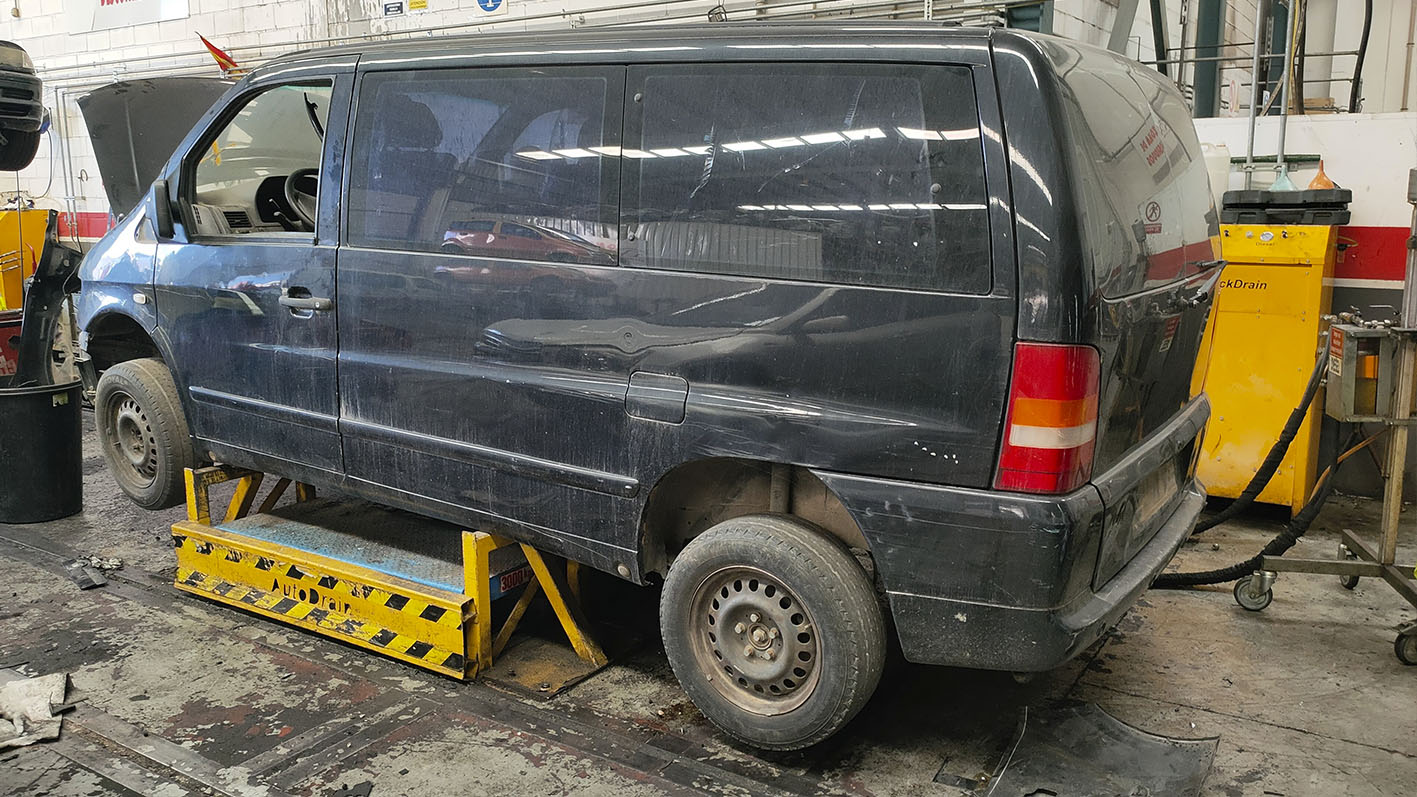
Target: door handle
x=300, y=299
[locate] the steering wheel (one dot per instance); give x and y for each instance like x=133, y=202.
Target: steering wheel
x=301, y=200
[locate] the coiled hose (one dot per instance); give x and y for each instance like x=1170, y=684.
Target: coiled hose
x=1276, y=452
x=1298, y=525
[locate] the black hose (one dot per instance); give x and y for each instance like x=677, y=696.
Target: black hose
x=1276, y=452
x=1357, y=84
x=1298, y=525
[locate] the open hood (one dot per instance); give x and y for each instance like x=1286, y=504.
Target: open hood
x=136, y=124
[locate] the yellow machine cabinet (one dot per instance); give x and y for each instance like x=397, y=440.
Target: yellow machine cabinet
x=21, y=243
x=1262, y=338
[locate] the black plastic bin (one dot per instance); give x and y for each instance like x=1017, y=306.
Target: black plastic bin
x=41, y=453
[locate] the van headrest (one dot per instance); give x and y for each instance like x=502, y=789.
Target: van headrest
x=409, y=124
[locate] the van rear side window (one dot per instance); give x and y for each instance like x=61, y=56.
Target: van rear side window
x=488, y=162
x=858, y=174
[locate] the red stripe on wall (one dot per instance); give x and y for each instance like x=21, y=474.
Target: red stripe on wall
x=87, y=224
x=1374, y=253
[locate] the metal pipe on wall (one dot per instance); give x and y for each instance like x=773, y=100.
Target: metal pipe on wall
x=1261, y=12
x=1282, y=181
x=1407, y=63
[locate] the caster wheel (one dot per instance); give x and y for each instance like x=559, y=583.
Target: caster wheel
x=1254, y=603
x=1348, y=582
x=1405, y=646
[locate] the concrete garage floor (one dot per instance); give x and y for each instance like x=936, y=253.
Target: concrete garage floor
x=184, y=696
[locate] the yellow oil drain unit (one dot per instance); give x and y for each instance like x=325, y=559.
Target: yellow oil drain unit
x=1263, y=337
x=394, y=583
x=21, y=243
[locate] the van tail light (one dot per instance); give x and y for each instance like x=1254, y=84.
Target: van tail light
x=1051, y=424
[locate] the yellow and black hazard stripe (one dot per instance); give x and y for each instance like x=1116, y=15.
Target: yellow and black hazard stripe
x=367, y=608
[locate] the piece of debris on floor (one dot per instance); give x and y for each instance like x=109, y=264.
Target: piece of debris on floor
x=102, y=562
x=361, y=790
x=86, y=576
x=1081, y=749
x=28, y=709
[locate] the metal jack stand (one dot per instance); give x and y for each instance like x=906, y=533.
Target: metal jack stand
x=359, y=573
x=1356, y=558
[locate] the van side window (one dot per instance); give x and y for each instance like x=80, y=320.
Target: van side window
x=239, y=179
x=463, y=161
x=845, y=173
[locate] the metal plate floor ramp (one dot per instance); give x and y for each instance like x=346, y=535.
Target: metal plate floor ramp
x=395, y=583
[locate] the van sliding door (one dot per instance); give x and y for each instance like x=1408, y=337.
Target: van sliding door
x=479, y=256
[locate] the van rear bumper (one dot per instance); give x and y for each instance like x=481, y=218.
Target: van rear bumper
x=1005, y=581
x=938, y=630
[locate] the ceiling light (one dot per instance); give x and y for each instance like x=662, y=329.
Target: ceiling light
x=861, y=135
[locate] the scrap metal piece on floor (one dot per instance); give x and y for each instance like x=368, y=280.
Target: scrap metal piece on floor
x=83, y=574
x=395, y=583
x=27, y=708
x=1081, y=749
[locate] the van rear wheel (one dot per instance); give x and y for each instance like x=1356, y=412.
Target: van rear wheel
x=773, y=629
x=143, y=432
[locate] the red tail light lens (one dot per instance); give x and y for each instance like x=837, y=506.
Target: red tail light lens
x=1051, y=423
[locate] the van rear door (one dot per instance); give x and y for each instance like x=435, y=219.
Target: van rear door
x=1148, y=238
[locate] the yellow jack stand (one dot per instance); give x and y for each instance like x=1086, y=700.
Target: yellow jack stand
x=247, y=561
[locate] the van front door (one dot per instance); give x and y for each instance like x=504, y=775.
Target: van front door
x=245, y=290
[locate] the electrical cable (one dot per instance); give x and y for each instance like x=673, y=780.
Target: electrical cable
x=1356, y=85
x=1298, y=525
x=1276, y=453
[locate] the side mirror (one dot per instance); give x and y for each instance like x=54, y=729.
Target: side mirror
x=161, y=210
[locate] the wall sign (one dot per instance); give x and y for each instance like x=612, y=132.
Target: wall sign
x=91, y=15
x=393, y=9
x=487, y=8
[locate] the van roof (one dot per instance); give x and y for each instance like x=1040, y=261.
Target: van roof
x=710, y=36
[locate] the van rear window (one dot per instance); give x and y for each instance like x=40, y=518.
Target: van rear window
x=848, y=173
x=1141, y=179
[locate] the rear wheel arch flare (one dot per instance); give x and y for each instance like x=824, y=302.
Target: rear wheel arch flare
x=694, y=496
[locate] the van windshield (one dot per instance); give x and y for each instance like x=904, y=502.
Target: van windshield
x=1142, y=185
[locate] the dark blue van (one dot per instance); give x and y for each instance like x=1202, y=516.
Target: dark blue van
x=820, y=325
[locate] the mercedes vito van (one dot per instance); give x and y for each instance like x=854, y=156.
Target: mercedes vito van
x=819, y=325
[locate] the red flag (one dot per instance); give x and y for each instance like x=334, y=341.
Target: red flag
x=226, y=62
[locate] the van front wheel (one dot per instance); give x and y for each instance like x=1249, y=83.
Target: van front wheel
x=773, y=629
x=143, y=432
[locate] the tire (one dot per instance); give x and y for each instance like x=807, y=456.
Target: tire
x=19, y=150
x=772, y=599
x=1253, y=603
x=144, y=434
x=1405, y=647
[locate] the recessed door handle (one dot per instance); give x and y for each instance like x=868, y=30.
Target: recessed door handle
x=297, y=302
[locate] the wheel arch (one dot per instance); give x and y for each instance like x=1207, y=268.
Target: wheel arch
x=694, y=496
x=114, y=337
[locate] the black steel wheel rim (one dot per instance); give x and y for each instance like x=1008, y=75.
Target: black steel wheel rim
x=755, y=640
x=131, y=441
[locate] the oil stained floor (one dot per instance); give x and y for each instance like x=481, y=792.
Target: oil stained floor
x=183, y=696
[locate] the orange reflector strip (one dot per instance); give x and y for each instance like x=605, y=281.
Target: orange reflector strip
x=1054, y=413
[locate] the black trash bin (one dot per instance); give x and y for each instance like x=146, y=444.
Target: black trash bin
x=41, y=453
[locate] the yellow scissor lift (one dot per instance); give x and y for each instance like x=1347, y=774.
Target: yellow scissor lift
x=395, y=583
